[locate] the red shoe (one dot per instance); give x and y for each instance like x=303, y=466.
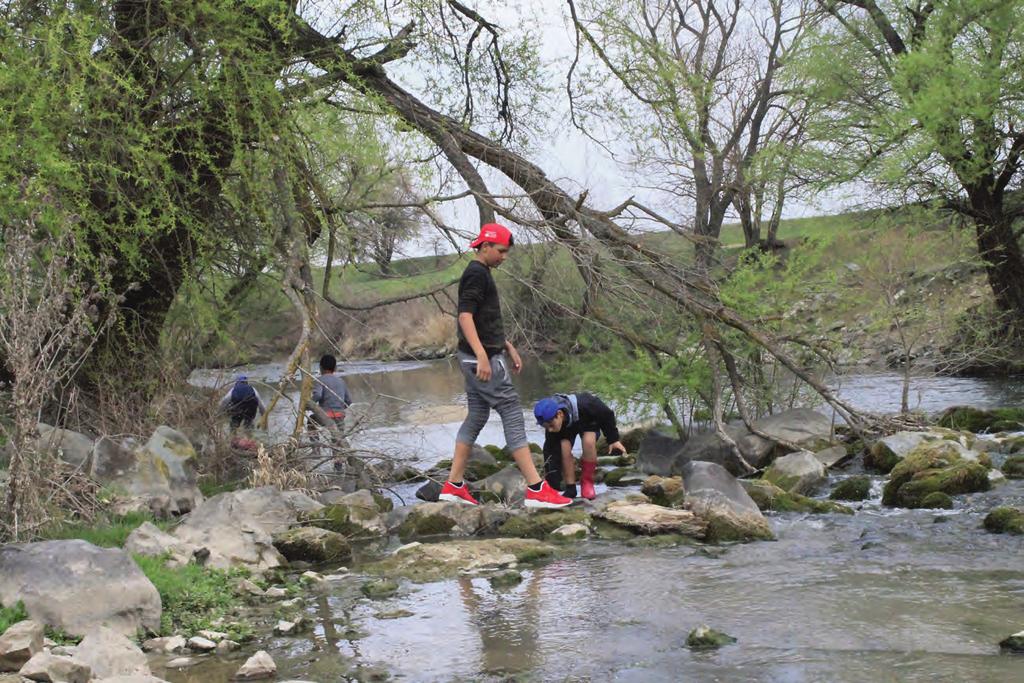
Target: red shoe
x=457, y=494
x=587, y=480
x=547, y=497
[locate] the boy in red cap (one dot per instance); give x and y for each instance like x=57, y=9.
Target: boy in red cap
x=484, y=356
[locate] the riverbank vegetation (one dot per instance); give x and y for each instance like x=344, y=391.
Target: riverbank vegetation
x=186, y=185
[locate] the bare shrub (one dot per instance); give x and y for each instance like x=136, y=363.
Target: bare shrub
x=49, y=321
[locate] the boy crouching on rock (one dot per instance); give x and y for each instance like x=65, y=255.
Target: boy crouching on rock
x=564, y=416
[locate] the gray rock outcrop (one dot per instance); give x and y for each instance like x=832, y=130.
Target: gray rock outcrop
x=74, y=585
x=716, y=496
x=799, y=472
x=237, y=527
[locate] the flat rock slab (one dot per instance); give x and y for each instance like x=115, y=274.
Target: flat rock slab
x=436, y=561
x=647, y=518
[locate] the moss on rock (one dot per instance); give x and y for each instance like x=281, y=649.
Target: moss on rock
x=937, y=500
x=419, y=526
x=1013, y=468
x=933, y=466
x=768, y=496
x=853, y=488
x=1005, y=520
x=665, y=491
x=310, y=544
x=437, y=561
x=705, y=638
x=880, y=458
x=540, y=524
x=977, y=420
x=377, y=589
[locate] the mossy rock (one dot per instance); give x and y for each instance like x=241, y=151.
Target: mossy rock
x=420, y=526
x=506, y=579
x=378, y=589
x=1005, y=520
x=659, y=541
x=1013, y=445
x=665, y=491
x=768, y=496
x=632, y=438
x=933, y=466
x=536, y=448
x=611, y=532
x=341, y=519
x=541, y=523
x=1014, y=643
x=854, y=488
x=977, y=420
x=497, y=451
x=937, y=500
x=310, y=544
x=1013, y=468
x=705, y=638
x=854, y=446
x=621, y=476
x=880, y=458
x=384, y=504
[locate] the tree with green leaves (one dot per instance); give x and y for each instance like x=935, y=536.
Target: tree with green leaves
x=926, y=100
x=702, y=99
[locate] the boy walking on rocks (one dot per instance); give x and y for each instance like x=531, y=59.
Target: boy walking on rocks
x=485, y=357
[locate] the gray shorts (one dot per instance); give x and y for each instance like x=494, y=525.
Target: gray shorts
x=497, y=393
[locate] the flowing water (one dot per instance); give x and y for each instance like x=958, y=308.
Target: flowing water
x=883, y=595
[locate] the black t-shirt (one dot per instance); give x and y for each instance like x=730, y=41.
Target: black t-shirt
x=478, y=294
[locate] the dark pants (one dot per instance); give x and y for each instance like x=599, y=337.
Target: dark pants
x=243, y=413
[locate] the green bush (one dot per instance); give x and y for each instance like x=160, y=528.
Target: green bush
x=193, y=596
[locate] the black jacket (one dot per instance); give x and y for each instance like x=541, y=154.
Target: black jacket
x=594, y=416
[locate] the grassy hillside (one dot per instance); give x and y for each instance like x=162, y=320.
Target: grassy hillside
x=870, y=269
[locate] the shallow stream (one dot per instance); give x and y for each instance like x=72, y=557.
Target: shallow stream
x=883, y=595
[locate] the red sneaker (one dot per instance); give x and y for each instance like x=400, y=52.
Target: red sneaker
x=547, y=497
x=457, y=494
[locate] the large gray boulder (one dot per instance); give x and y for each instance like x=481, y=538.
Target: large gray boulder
x=72, y=447
x=237, y=527
x=887, y=451
x=803, y=427
x=715, y=495
x=710, y=447
x=162, y=472
x=799, y=472
x=658, y=453
x=75, y=586
x=19, y=643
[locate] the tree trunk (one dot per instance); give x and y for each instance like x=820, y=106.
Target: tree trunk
x=751, y=229
x=1004, y=265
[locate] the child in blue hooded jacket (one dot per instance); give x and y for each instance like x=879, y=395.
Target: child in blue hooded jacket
x=564, y=417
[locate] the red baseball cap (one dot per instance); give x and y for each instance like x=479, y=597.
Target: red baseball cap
x=494, y=233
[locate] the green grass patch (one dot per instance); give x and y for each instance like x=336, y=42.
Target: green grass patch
x=106, y=533
x=11, y=615
x=210, y=488
x=194, y=597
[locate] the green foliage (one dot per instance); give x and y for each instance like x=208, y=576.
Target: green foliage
x=193, y=597
x=12, y=615
x=106, y=533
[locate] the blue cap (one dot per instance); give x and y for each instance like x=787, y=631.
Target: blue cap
x=241, y=378
x=545, y=410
